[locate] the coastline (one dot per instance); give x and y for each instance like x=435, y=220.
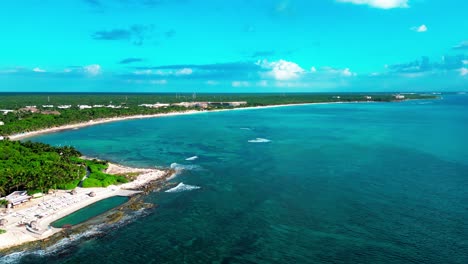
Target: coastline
x=123, y=118
x=62, y=203
x=16, y=236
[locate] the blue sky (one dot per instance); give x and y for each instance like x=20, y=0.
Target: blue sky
x=233, y=46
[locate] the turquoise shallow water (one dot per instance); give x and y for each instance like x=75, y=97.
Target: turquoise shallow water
x=341, y=183
x=90, y=211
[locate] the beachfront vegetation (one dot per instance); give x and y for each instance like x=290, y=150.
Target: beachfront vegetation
x=49, y=115
x=3, y=203
x=2, y=231
x=38, y=167
x=98, y=178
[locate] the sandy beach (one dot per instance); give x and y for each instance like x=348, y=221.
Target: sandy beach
x=52, y=207
x=115, y=119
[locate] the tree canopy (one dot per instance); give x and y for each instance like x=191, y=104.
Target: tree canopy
x=38, y=167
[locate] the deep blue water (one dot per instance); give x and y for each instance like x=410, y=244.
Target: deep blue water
x=338, y=183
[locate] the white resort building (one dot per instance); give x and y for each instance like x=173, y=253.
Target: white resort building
x=84, y=107
x=17, y=198
x=64, y=106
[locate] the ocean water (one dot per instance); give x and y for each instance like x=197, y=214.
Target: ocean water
x=337, y=183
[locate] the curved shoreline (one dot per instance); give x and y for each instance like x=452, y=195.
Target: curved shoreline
x=123, y=118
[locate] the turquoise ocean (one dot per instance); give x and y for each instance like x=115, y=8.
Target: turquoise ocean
x=331, y=183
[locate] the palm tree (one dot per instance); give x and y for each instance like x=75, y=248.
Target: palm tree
x=2, y=190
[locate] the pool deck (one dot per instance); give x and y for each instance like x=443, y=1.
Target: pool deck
x=49, y=209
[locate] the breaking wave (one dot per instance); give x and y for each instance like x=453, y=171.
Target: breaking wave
x=192, y=158
x=181, y=167
x=61, y=245
x=181, y=187
x=259, y=140
x=73, y=240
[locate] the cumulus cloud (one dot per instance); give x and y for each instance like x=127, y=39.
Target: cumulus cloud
x=282, y=70
x=383, y=4
x=346, y=72
x=464, y=71
x=93, y=69
x=420, y=29
x=184, y=71
x=37, y=69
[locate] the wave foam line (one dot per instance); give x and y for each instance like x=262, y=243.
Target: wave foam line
x=259, y=140
x=181, y=187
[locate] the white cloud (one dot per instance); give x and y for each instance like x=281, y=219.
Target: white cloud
x=313, y=69
x=282, y=70
x=93, y=69
x=420, y=29
x=37, y=69
x=383, y=4
x=346, y=72
x=465, y=62
x=262, y=83
x=211, y=82
x=143, y=72
x=159, y=82
x=240, y=84
x=464, y=71
x=184, y=71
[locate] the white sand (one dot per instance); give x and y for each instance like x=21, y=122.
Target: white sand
x=146, y=175
x=55, y=206
x=114, y=119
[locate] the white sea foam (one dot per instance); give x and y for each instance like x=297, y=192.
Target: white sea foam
x=182, y=167
x=192, y=158
x=12, y=258
x=181, y=187
x=245, y=128
x=259, y=140
x=60, y=245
